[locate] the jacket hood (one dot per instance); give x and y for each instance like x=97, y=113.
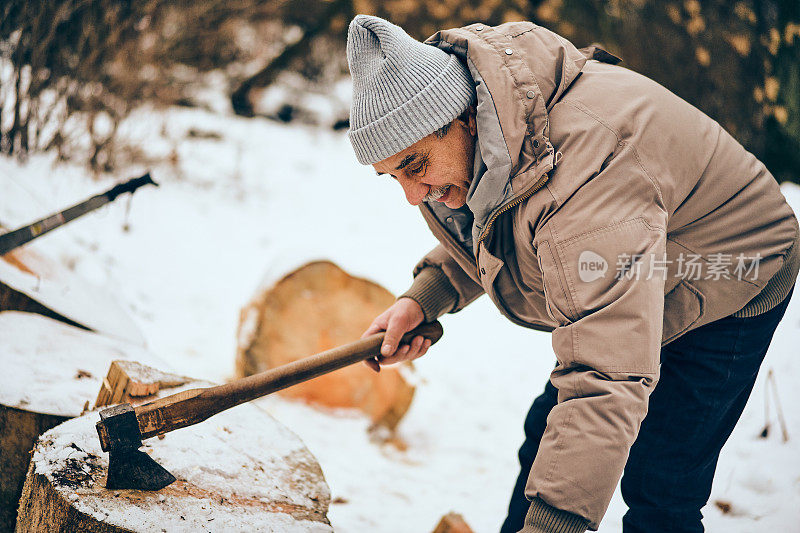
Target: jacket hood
x=520, y=71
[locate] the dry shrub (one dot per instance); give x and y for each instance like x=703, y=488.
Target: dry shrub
x=72, y=71
x=65, y=82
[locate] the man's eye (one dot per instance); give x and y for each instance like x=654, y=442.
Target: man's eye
x=419, y=169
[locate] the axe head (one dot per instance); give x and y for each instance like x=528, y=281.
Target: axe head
x=128, y=467
x=134, y=469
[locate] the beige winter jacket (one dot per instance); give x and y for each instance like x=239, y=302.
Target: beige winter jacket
x=590, y=164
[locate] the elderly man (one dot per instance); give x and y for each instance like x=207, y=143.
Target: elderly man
x=590, y=202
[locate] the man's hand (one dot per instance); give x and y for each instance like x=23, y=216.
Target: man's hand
x=403, y=316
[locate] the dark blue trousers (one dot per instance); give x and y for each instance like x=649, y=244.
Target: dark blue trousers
x=706, y=377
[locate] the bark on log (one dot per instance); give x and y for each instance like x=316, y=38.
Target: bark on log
x=19, y=430
x=314, y=308
x=239, y=471
x=50, y=372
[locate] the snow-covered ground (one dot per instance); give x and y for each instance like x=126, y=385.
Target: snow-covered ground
x=266, y=195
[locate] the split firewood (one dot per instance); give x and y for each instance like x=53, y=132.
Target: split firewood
x=129, y=380
x=238, y=471
x=317, y=307
x=32, y=282
x=50, y=372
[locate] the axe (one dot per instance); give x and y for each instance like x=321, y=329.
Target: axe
x=122, y=428
x=25, y=234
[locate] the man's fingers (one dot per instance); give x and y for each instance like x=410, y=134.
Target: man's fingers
x=378, y=325
x=397, y=357
x=416, y=346
x=395, y=330
x=372, y=330
x=407, y=352
x=425, y=345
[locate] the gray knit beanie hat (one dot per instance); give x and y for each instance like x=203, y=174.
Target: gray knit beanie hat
x=403, y=90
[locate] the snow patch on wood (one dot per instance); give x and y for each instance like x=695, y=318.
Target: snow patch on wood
x=50, y=367
x=239, y=471
x=68, y=295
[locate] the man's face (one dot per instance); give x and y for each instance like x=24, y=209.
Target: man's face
x=436, y=168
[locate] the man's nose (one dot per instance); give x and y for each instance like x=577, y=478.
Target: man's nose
x=415, y=192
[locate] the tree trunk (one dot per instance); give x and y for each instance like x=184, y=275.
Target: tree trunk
x=317, y=307
x=240, y=471
x=240, y=99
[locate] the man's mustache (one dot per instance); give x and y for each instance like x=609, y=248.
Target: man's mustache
x=435, y=194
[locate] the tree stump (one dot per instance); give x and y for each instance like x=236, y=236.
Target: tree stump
x=238, y=471
x=314, y=308
x=50, y=372
x=19, y=429
x=32, y=282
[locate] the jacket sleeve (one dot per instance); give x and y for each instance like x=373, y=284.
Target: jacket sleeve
x=608, y=300
x=440, y=285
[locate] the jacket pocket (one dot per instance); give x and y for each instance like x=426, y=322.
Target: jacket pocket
x=684, y=306
x=553, y=284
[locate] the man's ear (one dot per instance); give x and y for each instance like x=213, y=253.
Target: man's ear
x=472, y=121
x=468, y=120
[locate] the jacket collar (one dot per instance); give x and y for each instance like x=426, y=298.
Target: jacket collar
x=518, y=78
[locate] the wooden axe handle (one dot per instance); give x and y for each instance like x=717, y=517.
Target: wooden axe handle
x=189, y=407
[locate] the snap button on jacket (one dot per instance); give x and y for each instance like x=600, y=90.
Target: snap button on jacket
x=641, y=180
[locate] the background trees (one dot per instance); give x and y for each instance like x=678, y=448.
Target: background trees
x=73, y=70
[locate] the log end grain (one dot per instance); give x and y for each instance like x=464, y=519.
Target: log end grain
x=314, y=308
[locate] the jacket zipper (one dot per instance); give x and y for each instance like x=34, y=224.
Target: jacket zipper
x=513, y=203
x=527, y=194
x=460, y=250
